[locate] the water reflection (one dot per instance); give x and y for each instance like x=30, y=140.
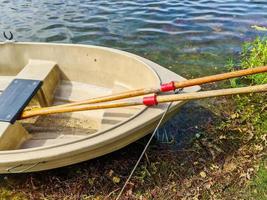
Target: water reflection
x=188, y=37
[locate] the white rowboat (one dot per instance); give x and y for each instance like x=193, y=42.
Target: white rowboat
x=70, y=73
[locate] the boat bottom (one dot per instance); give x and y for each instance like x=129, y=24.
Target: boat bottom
x=68, y=127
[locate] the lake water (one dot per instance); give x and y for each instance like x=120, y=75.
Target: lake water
x=190, y=37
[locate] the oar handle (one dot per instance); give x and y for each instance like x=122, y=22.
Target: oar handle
x=173, y=85
x=213, y=78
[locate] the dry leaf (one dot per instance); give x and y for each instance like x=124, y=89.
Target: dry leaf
x=187, y=183
x=229, y=167
x=110, y=173
x=116, y=179
x=203, y=174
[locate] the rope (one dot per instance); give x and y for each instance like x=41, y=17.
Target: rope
x=147, y=145
x=143, y=152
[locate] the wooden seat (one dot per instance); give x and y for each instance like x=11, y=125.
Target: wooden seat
x=46, y=71
x=13, y=135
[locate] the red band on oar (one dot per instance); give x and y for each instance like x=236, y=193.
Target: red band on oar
x=167, y=87
x=150, y=100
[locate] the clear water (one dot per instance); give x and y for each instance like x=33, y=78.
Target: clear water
x=190, y=37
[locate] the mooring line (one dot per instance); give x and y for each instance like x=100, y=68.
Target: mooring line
x=144, y=151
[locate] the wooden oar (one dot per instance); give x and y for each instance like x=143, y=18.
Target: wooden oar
x=148, y=101
x=169, y=86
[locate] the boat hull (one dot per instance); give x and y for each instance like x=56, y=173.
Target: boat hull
x=105, y=140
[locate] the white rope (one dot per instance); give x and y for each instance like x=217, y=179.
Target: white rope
x=144, y=151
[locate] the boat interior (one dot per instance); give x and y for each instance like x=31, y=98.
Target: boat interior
x=68, y=74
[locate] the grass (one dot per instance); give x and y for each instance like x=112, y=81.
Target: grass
x=258, y=186
x=251, y=110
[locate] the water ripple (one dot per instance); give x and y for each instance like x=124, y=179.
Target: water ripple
x=200, y=33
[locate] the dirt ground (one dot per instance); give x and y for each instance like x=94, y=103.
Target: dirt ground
x=209, y=155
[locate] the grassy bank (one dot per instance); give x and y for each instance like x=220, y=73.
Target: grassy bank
x=251, y=115
x=218, y=152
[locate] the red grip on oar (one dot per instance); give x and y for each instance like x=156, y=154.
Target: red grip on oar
x=150, y=100
x=167, y=87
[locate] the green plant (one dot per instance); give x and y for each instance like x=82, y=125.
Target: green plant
x=252, y=109
x=258, y=187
